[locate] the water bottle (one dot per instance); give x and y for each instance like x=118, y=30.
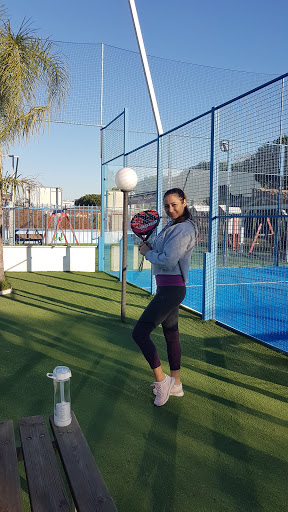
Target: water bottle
x=62, y=400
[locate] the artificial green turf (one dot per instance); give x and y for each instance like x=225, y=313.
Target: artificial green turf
x=222, y=447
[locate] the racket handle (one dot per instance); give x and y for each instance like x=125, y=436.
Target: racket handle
x=141, y=264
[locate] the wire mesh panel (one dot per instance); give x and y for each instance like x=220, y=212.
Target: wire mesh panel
x=186, y=163
x=113, y=139
x=143, y=197
x=112, y=154
x=83, y=103
x=112, y=203
x=104, y=79
x=185, y=160
x=253, y=206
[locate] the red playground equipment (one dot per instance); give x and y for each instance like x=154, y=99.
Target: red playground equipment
x=258, y=233
x=60, y=214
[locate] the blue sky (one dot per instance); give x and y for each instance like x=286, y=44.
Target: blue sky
x=247, y=35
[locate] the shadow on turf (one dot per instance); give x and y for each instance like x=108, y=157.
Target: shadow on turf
x=160, y=450
x=222, y=443
x=115, y=283
x=157, y=468
x=69, y=290
x=32, y=345
x=79, y=292
x=237, y=350
x=239, y=383
x=63, y=303
x=36, y=335
x=66, y=335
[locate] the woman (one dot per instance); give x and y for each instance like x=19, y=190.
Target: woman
x=170, y=258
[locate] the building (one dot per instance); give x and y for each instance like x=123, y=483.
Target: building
x=68, y=203
x=43, y=196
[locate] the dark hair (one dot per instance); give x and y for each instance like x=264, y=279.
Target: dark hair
x=179, y=192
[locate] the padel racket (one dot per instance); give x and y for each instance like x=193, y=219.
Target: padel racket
x=143, y=224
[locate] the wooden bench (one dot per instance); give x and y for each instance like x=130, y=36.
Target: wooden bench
x=28, y=237
x=45, y=485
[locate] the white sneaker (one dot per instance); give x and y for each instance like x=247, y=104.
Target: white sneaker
x=176, y=390
x=163, y=390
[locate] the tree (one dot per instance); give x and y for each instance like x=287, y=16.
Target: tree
x=89, y=200
x=29, y=69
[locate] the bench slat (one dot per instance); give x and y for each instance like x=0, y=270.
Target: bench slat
x=46, y=489
x=87, y=486
x=10, y=489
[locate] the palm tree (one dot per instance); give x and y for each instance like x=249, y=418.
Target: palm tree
x=30, y=69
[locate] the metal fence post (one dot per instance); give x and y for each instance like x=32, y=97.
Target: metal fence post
x=159, y=198
x=11, y=219
x=102, y=232
x=227, y=148
x=121, y=258
x=210, y=258
x=123, y=244
x=279, y=204
x=125, y=135
x=281, y=160
x=159, y=179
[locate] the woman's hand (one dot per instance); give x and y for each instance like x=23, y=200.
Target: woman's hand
x=144, y=247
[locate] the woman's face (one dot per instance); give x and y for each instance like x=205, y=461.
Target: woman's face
x=174, y=206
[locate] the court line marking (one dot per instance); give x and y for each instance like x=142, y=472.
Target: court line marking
x=238, y=284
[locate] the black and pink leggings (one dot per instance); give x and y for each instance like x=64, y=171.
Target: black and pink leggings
x=163, y=309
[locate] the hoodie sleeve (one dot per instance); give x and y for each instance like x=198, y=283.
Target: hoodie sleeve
x=175, y=246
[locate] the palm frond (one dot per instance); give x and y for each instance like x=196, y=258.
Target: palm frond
x=16, y=184
x=30, y=68
x=23, y=126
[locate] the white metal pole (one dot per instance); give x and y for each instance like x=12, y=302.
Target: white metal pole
x=102, y=84
x=146, y=67
x=101, y=99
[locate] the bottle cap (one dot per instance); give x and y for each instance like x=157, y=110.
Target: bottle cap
x=60, y=373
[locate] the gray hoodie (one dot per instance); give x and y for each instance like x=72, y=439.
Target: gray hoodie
x=172, y=249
